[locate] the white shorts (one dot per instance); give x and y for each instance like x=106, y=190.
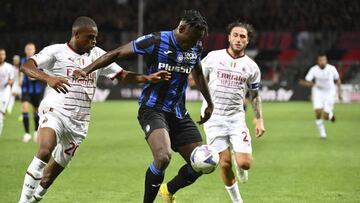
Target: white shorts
x=323, y=99
x=223, y=134
x=4, y=98
x=67, y=139
x=16, y=89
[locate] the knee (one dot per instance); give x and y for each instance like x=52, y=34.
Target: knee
x=44, y=154
x=245, y=164
x=225, y=164
x=162, y=159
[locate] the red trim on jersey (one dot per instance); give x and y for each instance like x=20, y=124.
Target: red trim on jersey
x=72, y=49
x=27, y=172
x=227, y=51
x=119, y=73
x=34, y=61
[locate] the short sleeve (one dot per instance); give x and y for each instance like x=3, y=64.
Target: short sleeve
x=253, y=82
x=144, y=44
x=335, y=73
x=310, y=75
x=45, y=59
x=207, y=64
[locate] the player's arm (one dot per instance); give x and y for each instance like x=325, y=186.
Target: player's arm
x=119, y=53
x=255, y=100
x=31, y=70
x=201, y=83
x=306, y=83
x=131, y=77
x=338, y=84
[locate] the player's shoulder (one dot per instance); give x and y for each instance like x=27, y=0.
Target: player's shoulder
x=217, y=54
x=250, y=62
x=54, y=48
x=331, y=66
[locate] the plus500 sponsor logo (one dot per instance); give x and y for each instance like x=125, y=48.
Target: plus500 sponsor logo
x=179, y=69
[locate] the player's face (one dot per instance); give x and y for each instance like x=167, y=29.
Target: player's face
x=86, y=38
x=190, y=37
x=2, y=56
x=238, y=39
x=322, y=61
x=30, y=50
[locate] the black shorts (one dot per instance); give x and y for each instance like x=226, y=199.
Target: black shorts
x=181, y=131
x=33, y=99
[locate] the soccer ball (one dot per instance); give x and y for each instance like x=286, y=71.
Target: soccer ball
x=204, y=159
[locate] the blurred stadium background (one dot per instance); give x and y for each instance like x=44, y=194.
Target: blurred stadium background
x=289, y=36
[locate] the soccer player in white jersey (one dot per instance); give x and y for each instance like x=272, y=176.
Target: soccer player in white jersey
x=6, y=80
x=322, y=78
x=65, y=109
x=231, y=73
x=16, y=87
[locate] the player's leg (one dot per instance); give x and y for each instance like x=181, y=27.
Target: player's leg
x=11, y=103
x=318, y=105
x=159, y=143
x=155, y=127
x=328, y=113
x=25, y=98
x=34, y=173
x=185, y=137
x=35, y=102
x=1, y=122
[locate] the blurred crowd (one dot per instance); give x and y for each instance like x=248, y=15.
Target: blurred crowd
x=119, y=15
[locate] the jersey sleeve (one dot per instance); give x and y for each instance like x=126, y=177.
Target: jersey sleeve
x=207, y=64
x=144, y=44
x=253, y=82
x=335, y=73
x=310, y=75
x=45, y=59
x=110, y=71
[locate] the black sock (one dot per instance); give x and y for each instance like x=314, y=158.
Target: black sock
x=186, y=176
x=154, y=178
x=36, y=120
x=26, y=122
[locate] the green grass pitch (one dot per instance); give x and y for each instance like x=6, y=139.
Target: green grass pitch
x=291, y=164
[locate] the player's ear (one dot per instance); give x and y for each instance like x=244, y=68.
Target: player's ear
x=182, y=28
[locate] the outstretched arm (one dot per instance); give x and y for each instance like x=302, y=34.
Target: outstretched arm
x=131, y=77
x=108, y=58
x=306, y=83
x=58, y=83
x=256, y=105
x=201, y=83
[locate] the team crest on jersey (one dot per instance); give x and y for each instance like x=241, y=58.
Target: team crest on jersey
x=190, y=57
x=180, y=57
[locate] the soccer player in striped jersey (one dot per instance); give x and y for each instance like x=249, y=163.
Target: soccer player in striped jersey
x=162, y=113
x=231, y=75
x=65, y=109
x=31, y=92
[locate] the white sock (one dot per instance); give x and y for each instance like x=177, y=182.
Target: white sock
x=39, y=194
x=11, y=104
x=321, y=127
x=234, y=193
x=32, y=179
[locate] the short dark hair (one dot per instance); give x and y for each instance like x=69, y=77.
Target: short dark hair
x=250, y=29
x=194, y=19
x=321, y=54
x=84, y=21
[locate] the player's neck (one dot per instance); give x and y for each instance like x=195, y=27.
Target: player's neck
x=235, y=55
x=73, y=47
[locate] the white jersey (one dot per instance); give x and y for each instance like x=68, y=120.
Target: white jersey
x=229, y=79
x=324, y=78
x=6, y=74
x=61, y=60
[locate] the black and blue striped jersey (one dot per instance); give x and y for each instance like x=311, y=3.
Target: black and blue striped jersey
x=162, y=52
x=31, y=86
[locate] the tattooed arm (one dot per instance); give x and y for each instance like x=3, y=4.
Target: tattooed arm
x=256, y=105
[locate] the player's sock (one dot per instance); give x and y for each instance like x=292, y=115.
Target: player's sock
x=36, y=120
x=26, y=122
x=234, y=193
x=32, y=179
x=154, y=178
x=321, y=127
x=186, y=176
x=39, y=194
x=10, y=104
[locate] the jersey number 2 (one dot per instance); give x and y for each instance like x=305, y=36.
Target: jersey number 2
x=71, y=150
x=245, y=139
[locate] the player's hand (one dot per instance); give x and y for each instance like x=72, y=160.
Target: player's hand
x=259, y=127
x=58, y=84
x=159, y=76
x=79, y=74
x=207, y=114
